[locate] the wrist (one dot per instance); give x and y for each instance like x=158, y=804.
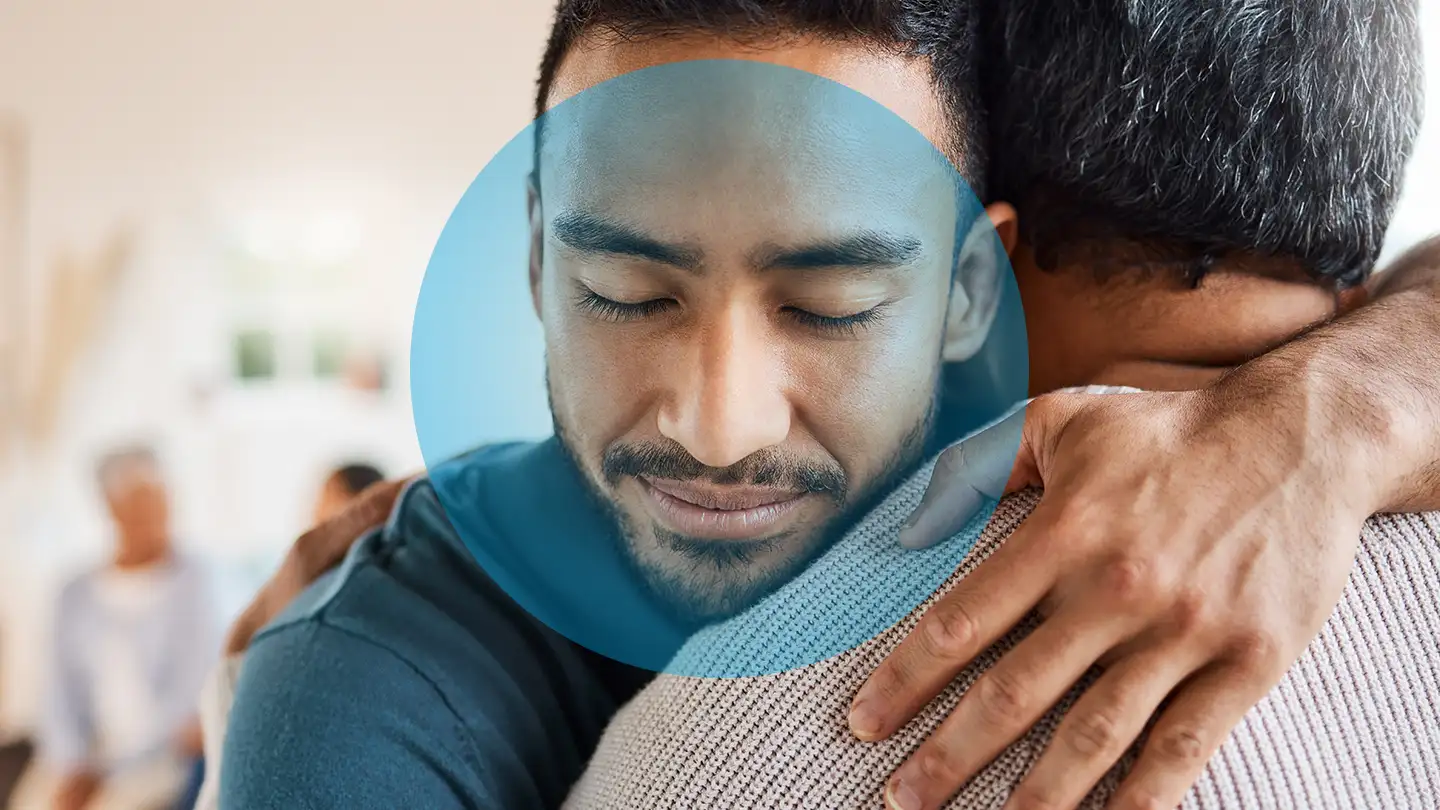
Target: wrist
x=1339, y=428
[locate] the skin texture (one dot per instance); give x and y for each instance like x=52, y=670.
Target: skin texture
x=1251, y=489
x=730, y=369
x=1153, y=329
x=140, y=508
x=334, y=497
x=1152, y=554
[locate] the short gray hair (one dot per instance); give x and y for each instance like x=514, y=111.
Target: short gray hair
x=115, y=464
x=1202, y=128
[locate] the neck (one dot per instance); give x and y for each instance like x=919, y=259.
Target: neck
x=1153, y=330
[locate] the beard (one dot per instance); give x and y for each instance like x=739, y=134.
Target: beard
x=703, y=580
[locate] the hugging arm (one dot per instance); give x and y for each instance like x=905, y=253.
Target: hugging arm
x=1190, y=544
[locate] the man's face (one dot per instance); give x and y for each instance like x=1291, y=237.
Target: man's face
x=138, y=503
x=743, y=297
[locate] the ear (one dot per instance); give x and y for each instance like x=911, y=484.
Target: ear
x=537, y=239
x=975, y=297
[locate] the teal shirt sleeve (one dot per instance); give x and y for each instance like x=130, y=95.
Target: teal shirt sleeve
x=408, y=679
x=328, y=719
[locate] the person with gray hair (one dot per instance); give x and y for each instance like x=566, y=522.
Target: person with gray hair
x=132, y=643
x=1196, y=182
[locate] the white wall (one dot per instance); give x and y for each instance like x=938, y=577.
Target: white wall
x=273, y=124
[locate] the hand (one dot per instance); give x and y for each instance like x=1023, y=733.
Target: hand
x=1190, y=544
x=316, y=552
x=76, y=790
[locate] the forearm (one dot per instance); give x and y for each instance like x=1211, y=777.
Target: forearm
x=1366, y=390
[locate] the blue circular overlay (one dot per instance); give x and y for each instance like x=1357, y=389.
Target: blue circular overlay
x=703, y=252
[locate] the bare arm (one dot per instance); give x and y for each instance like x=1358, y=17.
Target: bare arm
x=1370, y=383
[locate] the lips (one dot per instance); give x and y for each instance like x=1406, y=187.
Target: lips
x=725, y=498
x=708, y=511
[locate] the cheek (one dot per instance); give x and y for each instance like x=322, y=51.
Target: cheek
x=601, y=383
x=862, y=398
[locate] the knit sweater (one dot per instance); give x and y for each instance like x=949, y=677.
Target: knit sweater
x=1355, y=723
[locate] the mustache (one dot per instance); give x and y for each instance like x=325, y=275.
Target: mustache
x=765, y=468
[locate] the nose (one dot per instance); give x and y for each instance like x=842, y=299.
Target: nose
x=729, y=398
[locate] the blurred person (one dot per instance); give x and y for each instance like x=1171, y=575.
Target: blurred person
x=132, y=643
x=432, y=768
x=338, y=493
x=342, y=486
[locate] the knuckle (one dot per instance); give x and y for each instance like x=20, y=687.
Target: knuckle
x=1256, y=652
x=1136, y=800
x=1132, y=582
x=1180, y=746
x=1093, y=735
x=938, y=764
x=1002, y=700
x=950, y=463
x=1190, y=612
x=1029, y=798
x=951, y=628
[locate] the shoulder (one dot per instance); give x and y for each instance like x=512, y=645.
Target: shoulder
x=326, y=718
x=344, y=701
x=407, y=676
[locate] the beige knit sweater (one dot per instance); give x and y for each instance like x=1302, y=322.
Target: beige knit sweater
x=1354, y=724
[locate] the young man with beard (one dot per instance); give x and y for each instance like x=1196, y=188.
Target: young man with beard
x=743, y=349
x=717, y=440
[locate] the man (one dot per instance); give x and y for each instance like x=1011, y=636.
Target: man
x=447, y=691
x=133, y=641
x=448, y=764
x=783, y=740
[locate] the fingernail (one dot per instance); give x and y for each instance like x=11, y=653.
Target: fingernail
x=864, y=721
x=899, y=796
x=911, y=521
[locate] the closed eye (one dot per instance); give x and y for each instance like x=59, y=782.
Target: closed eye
x=848, y=325
x=617, y=311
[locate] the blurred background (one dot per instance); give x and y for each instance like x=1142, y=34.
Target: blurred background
x=214, y=222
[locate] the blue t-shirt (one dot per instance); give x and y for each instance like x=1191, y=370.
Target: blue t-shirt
x=408, y=678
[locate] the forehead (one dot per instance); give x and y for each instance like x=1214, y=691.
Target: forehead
x=901, y=83
x=732, y=140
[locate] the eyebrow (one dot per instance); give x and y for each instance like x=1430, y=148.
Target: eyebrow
x=866, y=249
x=588, y=233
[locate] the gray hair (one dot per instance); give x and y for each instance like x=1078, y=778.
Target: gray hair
x=114, y=466
x=1201, y=128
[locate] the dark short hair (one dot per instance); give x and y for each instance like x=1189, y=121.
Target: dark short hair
x=942, y=30
x=355, y=478
x=1197, y=129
